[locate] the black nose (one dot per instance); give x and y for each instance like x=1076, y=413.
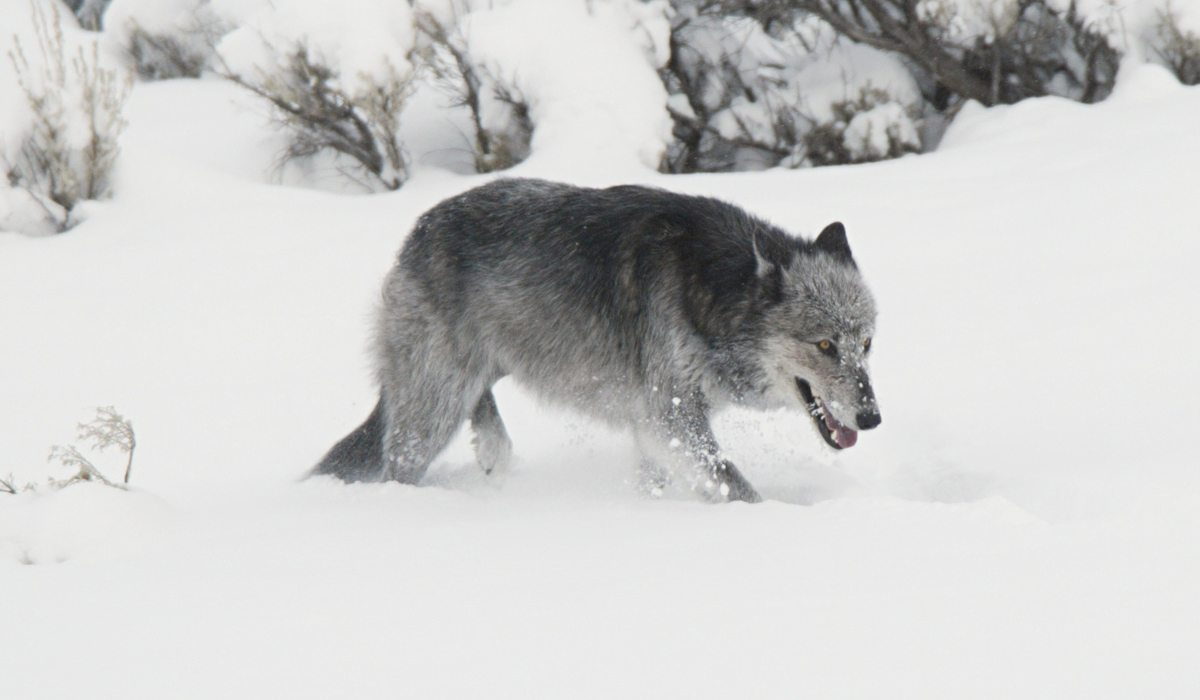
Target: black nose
x=868, y=419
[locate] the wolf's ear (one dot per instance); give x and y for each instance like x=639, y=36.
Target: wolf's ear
x=769, y=274
x=833, y=241
x=762, y=267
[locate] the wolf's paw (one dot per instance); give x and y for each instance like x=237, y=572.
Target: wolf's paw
x=732, y=486
x=493, y=451
x=495, y=464
x=652, y=479
x=741, y=492
x=726, y=492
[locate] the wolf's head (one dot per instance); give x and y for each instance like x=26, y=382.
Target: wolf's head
x=818, y=336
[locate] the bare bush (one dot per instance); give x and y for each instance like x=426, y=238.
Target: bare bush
x=1029, y=49
x=708, y=78
x=183, y=54
x=510, y=143
x=111, y=429
x=1177, y=48
x=163, y=57
x=9, y=485
x=738, y=101
x=311, y=103
x=70, y=457
x=89, y=12
x=470, y=85
x=108, y=429
x=69, y=153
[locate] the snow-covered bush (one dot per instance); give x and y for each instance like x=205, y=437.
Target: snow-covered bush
x=995, y=52
x=163, y=56
x=757, y=83
x=336, y=77
x=584, y=72
x=870, y=128
x=750, y=90
x=730, y=94
x=165, y=39
x=89, y=12
x=1177, y=46
x=573, y=77
x=498, y=112
x=69, y=150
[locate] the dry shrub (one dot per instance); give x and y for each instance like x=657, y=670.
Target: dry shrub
x=70, y=150
x=1177, y=48
x=185, y=53
x=1031, y=48
x=310, y=102
x=502, y=136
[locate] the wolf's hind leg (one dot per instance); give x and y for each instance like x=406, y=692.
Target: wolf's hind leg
x=426, y=400
x=419, y=431
x=493, y=448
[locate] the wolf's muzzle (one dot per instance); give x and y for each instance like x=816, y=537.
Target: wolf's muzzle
x=868, y=419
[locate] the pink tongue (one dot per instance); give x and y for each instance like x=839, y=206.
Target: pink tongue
x=845, y=437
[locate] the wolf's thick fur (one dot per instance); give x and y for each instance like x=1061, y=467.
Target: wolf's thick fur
x=640, y=307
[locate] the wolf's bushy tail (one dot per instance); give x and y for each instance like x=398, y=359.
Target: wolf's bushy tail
x=359, y=455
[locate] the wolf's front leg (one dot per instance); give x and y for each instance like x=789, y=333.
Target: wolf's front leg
x=680, y=437
x=739, y=489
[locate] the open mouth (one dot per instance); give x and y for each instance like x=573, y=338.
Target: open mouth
x=836, y=435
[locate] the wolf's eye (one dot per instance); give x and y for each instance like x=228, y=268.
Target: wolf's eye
x=827, y=347
x=867, y=345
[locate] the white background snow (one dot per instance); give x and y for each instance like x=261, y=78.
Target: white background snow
x=1024, y=524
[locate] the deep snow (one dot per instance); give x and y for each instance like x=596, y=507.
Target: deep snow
x=1023, y=524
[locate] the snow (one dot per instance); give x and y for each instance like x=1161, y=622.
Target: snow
x=805, y=77
x=600, y=100
x=154, y=16
x=867, y=133
x=843, y=71
x=52, y=75
x=362, y=41
x=1024, y=523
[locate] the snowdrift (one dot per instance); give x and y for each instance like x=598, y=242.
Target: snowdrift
x=1023, y=524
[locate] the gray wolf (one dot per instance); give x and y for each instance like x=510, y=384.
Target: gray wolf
x=637, y=306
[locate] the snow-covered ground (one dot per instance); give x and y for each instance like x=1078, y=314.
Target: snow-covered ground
x=1024, y=524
